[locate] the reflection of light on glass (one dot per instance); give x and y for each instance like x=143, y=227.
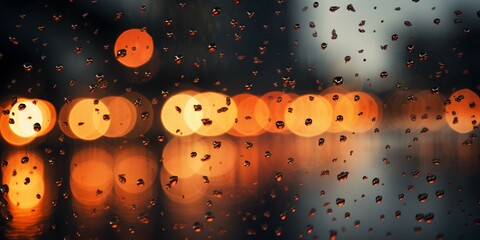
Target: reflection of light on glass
x=463, y=112
x=135, y=169
x=215, y=116
x=29, y=195
x=135, y=172
x=91, y=176
x=182, y=156
x=173, y=114
x=133, y=48
x=122, y=116
x=252, y=116
x=309, y=115
x=91, y=183
x=247, y=167
x=185, y=190
x=277, y=103
x=27, y=119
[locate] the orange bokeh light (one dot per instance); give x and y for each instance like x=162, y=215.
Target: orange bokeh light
x=87, y=119
x=309, y=115
x=463, y=113
x=123, y=116
x=343, y=111
x=186, y=190
x=144, y=111
x=25, y=180
x=137, y=167
x=367, y=112
x=133, y=48
x=252, y=116
x=173, y=114
x=277, y=103
x=182, y=156
x=36, y=118
x=91, y=176
x=216, y=116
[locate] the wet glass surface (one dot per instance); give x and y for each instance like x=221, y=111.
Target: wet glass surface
x=239, y=119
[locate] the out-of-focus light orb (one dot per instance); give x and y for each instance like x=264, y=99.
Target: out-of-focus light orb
x=182, y=157
x=87, y=119
x=367, y=112
x=343, y=111
x=123, y=116
x=91, y=176
x=252, y=116
x=133, y=48
x=26, y=120
x=277, y=103
x=135, y=169
x=173, y=114
x=24, y=176
x=463, y=112
x=309, y=115
x=25, y=114
x=210, y=113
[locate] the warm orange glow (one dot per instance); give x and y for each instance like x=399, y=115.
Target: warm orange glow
x=217, y=114
x=29, y=204
x=20, y=127
x=252, y=116
x=222, y=159
x=416, y=110
x=122, y=116
x=173, y=114
x=49, y=116
x=25, y=119
x=25, y=180
x=463, y=113
x=133, y=48
x=186, y=190
x=277, y=103
x=310, y=115
x=86, y=119
x=135, y=169
x=144, y=117
x=91, y=176
x=343, y=111
x=182, y=156
x=366, y=112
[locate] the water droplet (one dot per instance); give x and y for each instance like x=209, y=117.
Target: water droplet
x=338, y=80
x=378, y=199
x=37, y=127
x=422, y=197
x=342, y=176
x=321, y=141
x=340, y=201
x=279, y=124
x=121, y=53
x=278, y=176
x=206, y=157
x=122, y=179
x=4, y=189
x=25, y=160
x=375, y=181
x=431, y=178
